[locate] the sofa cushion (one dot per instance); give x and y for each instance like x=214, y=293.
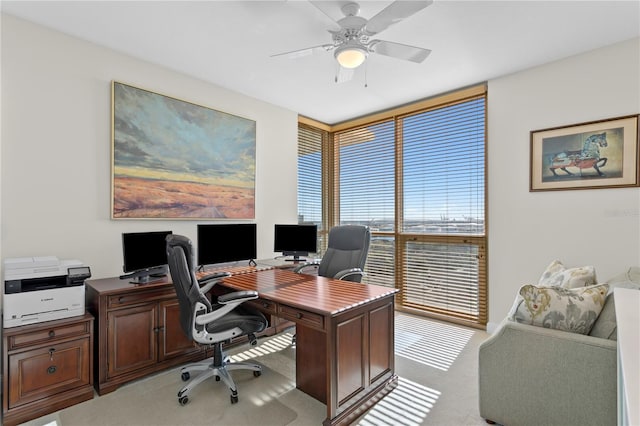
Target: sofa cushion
x=574, y=310
x=557, y=275
x=605, y=325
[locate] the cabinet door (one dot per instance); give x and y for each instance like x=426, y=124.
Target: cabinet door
x=131, y=339
x=172, y=340
x=45, y=371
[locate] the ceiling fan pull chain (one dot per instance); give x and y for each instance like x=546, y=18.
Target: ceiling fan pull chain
x=366, y=67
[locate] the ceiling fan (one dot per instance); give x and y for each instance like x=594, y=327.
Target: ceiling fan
x=352, y=41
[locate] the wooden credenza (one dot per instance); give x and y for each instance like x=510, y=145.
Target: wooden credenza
x=137, y=331
x=47, y=366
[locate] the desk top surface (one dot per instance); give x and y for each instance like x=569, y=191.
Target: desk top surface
x=318, y=294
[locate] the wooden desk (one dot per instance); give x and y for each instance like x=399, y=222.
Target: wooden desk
x=344, y=336
x=344, y=333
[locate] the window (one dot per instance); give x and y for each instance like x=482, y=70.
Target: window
x=416, y=176
x=443, y=222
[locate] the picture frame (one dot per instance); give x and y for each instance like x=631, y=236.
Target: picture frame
x=173, y=159
x=590, y=155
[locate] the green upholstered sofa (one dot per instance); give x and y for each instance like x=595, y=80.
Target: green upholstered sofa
x=530, y=375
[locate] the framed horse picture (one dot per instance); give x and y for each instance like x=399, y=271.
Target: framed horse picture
x=596, y=154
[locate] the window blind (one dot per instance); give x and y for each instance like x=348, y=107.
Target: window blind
x=310, y=175
x=366, y=165
x=443, y=181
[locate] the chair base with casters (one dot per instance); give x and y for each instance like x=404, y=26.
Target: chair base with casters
x=218, y=367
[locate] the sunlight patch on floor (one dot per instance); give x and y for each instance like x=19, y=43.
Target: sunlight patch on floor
x=271, y=346
x=431, y=343
x=406, y=405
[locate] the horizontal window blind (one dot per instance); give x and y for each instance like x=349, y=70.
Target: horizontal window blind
x=310, y=175
x=443, y=278
x=366, y=165
x=380, y=265
x=443, y=170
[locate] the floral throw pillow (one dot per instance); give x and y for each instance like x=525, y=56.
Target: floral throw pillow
x=557, y=275
x=574, y=310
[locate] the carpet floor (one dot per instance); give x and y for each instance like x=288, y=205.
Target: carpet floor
x=438, y=385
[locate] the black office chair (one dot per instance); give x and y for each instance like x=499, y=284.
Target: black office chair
x=346, y=254
x=210, y=324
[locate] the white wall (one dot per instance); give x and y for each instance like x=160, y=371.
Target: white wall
x=527, y=230
x=56, y=147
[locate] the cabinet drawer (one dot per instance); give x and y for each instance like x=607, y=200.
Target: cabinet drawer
x=139, y=297
x=302, y=317
x=265, y=306
x=43, y=372
x=43, y=335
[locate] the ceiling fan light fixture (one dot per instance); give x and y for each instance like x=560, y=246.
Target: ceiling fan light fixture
x=351, y=55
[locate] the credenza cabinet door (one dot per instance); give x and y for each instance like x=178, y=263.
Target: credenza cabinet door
x=132, y=336
x=172, y=340
x=45, y=371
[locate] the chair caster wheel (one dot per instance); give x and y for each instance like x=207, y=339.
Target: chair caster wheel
x=234, y=399
x=185, y=376
x=217, y=378
x=184, y=400
x=257, y=373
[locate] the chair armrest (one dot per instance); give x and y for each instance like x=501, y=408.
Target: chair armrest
x=237, y=296
x=229, y=302
x=208, y=281
x=298, y=269
x=349, y=272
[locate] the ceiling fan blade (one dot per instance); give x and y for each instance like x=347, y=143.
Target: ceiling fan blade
x=394, y=13
x=400, y=51
x=344, y=74
x=331, y=11
x=305, y=52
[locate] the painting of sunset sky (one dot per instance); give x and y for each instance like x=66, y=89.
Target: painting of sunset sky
x=175, y=159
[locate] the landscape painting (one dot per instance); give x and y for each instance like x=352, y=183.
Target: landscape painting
x=173, y=159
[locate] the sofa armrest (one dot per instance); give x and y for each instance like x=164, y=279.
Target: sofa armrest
x=531, y=375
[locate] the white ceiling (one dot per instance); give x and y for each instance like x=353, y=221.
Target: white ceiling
x=229, y=43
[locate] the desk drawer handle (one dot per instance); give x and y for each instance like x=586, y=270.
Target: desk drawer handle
x=51, y=369
x=52, y=334
x=299, y=315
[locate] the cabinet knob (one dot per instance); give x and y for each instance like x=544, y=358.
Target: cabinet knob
x=52, y=369
x=298, y=315
x=52, y=333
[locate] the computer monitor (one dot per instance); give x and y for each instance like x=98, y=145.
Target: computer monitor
x=224, y=243
x=295, y=240
x=145, y=255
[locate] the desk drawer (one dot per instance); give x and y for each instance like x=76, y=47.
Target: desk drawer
x=265, y=306
x=47, y=334
x=300, y=316
x=139, y=297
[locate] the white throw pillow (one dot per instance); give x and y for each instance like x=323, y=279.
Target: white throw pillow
x=557, y=275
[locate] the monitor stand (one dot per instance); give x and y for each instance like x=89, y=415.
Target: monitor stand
x=148, y=279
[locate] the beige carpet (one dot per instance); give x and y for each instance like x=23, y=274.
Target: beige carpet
x=436, y=363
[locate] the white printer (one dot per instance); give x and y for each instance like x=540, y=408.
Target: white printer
x=38, y=289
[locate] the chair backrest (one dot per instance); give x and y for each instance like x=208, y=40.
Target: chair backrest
x=347, y=248
x=181, y=267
